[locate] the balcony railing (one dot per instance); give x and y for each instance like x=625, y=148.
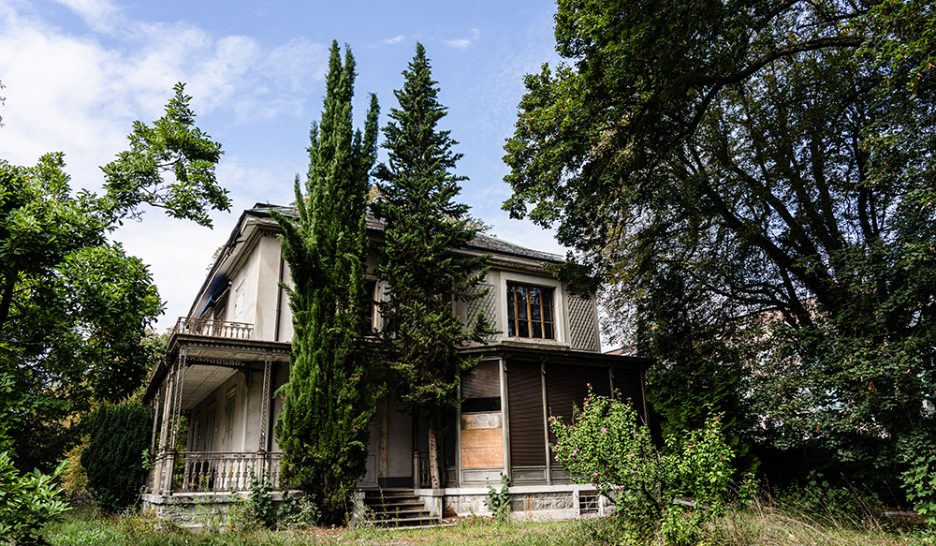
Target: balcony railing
x=212, y=471
x=214, y=328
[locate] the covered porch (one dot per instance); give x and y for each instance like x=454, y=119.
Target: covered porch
x=214, y=408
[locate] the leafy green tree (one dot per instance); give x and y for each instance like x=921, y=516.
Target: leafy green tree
x=119, y=434
x=329, y=399
x=74, y=306
x=778, y=159
x=424, y=230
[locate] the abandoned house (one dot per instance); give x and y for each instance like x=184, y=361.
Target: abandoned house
x=215, y=403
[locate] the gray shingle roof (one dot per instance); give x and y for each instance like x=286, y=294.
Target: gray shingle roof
x=481, y=241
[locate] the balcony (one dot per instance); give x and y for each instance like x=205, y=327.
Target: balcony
x=213, y=328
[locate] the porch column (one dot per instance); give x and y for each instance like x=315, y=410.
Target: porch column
x=264, y=414
x=173, y=411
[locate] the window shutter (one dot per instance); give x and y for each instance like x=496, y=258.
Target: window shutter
x=482, y=382
x=567, y=386
x=525, y=408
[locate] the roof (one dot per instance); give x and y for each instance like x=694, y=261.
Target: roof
x=484, y=242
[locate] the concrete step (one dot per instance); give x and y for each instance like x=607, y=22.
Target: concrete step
x=408, y=522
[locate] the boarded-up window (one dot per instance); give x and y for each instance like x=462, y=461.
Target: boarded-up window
x=481, y=424
x=525, y=405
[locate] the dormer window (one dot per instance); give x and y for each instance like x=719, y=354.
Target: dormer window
x=530, y=312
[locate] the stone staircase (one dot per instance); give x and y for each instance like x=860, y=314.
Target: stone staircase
x=398, y=508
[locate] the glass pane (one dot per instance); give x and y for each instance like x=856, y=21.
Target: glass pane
x=511, y=329
x=547, y=308
x=548, y=327
x=510, y=303
x=534, y=296
x=522, y=302
x=535, y=312
x=524, y=329
x=538, y=330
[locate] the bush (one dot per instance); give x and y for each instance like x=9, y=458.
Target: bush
x=499, y=501
x=607, y=447
x=118, y=436
x=299, y=512
x=27, y=502
x=918, y=452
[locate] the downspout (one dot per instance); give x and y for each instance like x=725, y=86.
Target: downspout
x=279, y=299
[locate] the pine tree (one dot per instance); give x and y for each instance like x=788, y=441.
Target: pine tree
x=424, y=229
x=329, y=399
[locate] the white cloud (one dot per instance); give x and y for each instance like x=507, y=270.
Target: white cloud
x=99, y=15
x=395, y=40
x=79, y=94
x=462, y=43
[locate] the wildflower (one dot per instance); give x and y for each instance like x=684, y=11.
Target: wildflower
x=604, y=430
x=575, y=452
x=631, y=453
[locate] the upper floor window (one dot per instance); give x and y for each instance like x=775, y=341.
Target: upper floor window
x=530, y=312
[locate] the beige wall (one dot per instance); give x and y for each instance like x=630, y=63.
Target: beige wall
x=255, y=287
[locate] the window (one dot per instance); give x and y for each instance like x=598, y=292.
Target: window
x=530, y=312
x=373, y=314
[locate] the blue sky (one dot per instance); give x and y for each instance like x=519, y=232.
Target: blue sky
x=77, y=72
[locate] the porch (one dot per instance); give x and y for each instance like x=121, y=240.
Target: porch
x=214, y=409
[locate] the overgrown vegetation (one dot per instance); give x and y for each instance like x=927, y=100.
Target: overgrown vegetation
x=330, y=396
x=761, y=524
x=113, y=460
x=498, y=501
x=607, y=446
x=755, y=182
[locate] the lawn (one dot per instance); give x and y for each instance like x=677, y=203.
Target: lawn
x=742, y=527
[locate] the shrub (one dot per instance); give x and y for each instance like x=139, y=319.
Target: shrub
x=260, y=510
x=607, y=447
x=27, y=502
x=918, y=452
x=113, y=460
x=499, y=500
x=299, y=512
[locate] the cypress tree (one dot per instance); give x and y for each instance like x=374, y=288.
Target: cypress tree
x=426, y=274
x=329, y=400
x=113, y=460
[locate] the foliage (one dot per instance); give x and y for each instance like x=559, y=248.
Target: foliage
x=607, y=447
x=329, y=398
x=27, y=503
x=821, y=501
x=775, y=160
x=498, y=501
x=919, y=480
x=424, y=229
x=258, y=510
x=298, y=512
x=74, y=307
x=118, y=434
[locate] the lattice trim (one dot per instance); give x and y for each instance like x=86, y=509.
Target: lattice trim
x=583, y=324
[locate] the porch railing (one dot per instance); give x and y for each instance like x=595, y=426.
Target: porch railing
x=214, y=328
x=212, y=471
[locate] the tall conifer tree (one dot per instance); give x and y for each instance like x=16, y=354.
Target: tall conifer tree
x=328, y=399
x=425, y=227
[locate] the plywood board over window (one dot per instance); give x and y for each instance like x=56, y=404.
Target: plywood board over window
x=481, y=425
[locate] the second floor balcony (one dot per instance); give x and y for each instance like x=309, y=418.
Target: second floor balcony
x=213, y=328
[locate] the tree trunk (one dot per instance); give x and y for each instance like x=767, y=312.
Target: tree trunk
x=433, y=452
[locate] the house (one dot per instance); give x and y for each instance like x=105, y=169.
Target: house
x=214, y=397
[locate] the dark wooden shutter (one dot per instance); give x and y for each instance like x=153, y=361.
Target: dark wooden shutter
x=566, y=386
x=628, y=384
x=525, y=408
x=482, y=382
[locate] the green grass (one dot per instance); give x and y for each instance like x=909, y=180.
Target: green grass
x=760, y=525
